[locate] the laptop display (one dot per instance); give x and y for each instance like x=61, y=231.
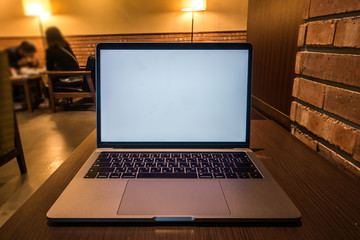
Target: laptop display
x=193, y=96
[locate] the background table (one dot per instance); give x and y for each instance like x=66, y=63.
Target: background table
x=28, y=82
x=328, y=199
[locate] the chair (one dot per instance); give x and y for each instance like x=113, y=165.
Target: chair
x=68, y=92
x=10, y=142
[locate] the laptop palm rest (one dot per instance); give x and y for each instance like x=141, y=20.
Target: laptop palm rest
x=173, y=197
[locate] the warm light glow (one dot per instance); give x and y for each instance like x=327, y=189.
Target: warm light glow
x=39, y=8
x=193, y=5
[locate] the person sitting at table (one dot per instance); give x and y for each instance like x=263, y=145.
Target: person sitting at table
x=60, y=57
x=22, y=56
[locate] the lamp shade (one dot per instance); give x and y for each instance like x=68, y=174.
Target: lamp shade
x=193, y=5
x=36, y=7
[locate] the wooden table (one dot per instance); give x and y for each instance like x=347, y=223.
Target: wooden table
x=27, y=82
x=328, y=199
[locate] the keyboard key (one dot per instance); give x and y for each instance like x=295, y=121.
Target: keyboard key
x=218, y=165
x=155, y=170
x=128, y=165
x=239, y=155
x=219, y=175
x=99, y=169
x=227, y=165
x=192, y=160
x=255, y=175
x=128, y=175
x=180, y=160
x=91, y=175
x=139, y=164
x=184, y=165
x=205, y=175
x=120, y=170
x=244, y=165
x=179, y=170
x=162, y=165
x=144, y=169
x=214, y=170
x=167, y=175
x=195, y=165
x=132, y=170
x=104, y=165
x=173, y=165
x=117, y=165
x=102, y=175
x=190, y=170
x=231, y=175
x=115, y=175
x=104, y=154
x=205, y=165
x=104, y=160
x=243, y=175
x=167, y=170
x=225, y=170
x=202, y=170
x=150, y=165
x=203, y=160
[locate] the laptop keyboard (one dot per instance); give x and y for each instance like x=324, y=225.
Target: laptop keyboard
x=173, y=165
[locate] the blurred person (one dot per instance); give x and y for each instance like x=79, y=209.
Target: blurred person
x=60, y=57
x=22, y=56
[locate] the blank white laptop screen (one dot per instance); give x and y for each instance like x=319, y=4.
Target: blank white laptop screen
x=173, y=95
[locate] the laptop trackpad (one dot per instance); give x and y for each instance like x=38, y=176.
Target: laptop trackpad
x=173, y=197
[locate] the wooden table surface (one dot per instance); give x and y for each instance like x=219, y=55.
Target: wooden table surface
x=328, y=199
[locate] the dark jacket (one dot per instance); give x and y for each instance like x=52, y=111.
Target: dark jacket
x=14, y=57
x=61, y=59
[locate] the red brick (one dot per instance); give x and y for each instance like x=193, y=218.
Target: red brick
x=338, y=160
x=306, y=9
x=310, y=92
x=339, y=134
x=305, y=139
x=295, y=90
x=301, y=36
x=341, y=68
x=328, y=7
x=293, y=111
x=343, y=102
x=356, y=155
x=348, y=33
x=331, y=130
x=320, y=33
x=302, y=115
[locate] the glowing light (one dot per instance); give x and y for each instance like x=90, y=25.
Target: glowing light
x=40, y=8
x=193, y=5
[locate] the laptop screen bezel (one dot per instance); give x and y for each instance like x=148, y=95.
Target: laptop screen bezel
x=171, y=46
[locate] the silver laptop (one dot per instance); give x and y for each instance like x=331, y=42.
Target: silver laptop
x=173, y=126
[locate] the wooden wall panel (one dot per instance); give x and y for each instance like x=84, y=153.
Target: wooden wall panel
x=273, y=27
x=84, y=46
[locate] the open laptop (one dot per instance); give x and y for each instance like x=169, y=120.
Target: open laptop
x=173, y=127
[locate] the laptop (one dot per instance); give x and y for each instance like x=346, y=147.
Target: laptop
x=173, y=128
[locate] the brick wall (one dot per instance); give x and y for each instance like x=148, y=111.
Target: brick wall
x=325, y=113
